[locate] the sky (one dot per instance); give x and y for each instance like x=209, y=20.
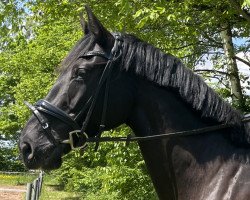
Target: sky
x=244, y=69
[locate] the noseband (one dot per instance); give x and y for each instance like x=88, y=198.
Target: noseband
x=78, y=138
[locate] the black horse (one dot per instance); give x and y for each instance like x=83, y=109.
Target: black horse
x=109, y=79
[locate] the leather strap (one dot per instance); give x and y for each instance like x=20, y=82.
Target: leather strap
x=43, y=121
x=46, y=107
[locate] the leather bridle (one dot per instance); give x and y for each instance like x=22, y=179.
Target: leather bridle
x=78, y=138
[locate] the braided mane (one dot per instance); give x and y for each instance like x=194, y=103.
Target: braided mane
x=168, y=71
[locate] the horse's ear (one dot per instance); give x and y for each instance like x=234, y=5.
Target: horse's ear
x=84, y=25
x=103, y=37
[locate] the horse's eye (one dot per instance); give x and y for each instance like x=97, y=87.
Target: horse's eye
x=81, y=72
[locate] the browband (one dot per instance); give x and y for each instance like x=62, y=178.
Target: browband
x=96, y=53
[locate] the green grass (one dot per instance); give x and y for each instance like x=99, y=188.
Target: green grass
x=51, y=189
x=16, y=179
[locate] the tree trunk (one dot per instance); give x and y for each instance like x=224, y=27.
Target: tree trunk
x=232, y=68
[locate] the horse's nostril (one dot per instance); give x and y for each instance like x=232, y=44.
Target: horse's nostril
x=27, y=151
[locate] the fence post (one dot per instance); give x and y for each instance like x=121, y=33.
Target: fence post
x=40, y=183
x=34, y=189
x=34, y=193
x=29, y=191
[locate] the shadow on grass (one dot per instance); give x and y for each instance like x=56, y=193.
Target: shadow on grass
x=59, y=188
x=56, y=187
x=71, y=198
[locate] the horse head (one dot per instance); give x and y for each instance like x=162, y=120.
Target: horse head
x=88, y=97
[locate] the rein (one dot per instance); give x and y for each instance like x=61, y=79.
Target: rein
x=131, y=138
x=78, y=138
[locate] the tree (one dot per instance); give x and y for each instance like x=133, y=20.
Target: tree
x=8, y=159
x=22, y=67
x=205, y=27
x=113, y=172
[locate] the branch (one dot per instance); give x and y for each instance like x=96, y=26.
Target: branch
x=220, y=80
x=211, y=71
x=242, y=60
x=244, y=13
x=207, y=36
x=201, y=43
x=184, y=46
x=1, y=138
x=200, y=53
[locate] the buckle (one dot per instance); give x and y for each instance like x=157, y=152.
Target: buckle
x=246, y=118
x=45, y=125
x=76, y=136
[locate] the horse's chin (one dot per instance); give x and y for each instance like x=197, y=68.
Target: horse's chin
x=50, y=160
x=54, y=161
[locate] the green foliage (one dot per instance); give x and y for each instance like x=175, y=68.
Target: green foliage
x=9, y=159
x=16, y=179
x=23, y=66
x=113, y=172
x=50, y=188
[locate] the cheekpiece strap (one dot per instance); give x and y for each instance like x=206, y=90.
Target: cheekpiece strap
x=96, y=53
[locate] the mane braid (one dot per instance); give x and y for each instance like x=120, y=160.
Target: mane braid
x=168, y=71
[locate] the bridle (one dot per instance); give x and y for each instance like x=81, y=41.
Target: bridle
x=78, y=138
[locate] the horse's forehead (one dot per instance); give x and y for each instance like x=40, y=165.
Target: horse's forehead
x=89, y=44
x=97, y=47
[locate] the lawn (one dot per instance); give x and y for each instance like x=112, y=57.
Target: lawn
x=51, y=189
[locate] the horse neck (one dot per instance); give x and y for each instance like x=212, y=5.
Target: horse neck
x=159, y=110
x=199, y=160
